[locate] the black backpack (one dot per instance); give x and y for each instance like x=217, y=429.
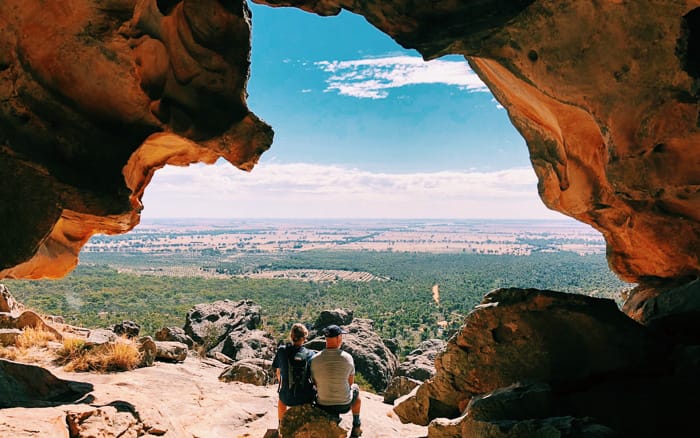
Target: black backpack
x=299, y=375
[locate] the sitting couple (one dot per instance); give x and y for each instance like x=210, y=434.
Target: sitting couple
x=326, y=378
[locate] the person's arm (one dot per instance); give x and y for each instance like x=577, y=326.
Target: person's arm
x=351, y=379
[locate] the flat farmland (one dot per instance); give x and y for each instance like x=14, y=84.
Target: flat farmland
x=234, y=238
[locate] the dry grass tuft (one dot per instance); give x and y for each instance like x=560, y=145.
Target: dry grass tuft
x=34, y=337
x=123, y=355
x=29, y=346
x=9, y=353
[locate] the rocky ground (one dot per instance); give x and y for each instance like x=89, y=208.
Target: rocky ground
x=182, y=400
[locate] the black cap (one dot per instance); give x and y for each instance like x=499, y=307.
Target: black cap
x=332, y=331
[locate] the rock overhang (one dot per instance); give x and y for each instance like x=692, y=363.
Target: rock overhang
x=605, y=94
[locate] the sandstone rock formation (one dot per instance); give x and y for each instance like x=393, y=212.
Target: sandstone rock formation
x=608, y=105
x=8, y=304
x=94, y=97
x=418, y=366
x=171, y=351
x=308, y=421
x=176, y=334
x=130, y=329
x=604, y=370
x=230, y=328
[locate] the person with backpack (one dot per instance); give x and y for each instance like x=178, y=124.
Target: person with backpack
x=291, y=364
x=333, y=373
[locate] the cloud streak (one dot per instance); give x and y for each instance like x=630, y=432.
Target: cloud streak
x=319, y=191
x=373, y=78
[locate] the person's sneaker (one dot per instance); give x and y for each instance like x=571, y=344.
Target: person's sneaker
x=356, y=431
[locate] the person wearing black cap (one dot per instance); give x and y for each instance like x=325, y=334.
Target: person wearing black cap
x=333, y=372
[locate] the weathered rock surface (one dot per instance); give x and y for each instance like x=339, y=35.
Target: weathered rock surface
x=120, y=420
x=175, y=334
x=27, y=319
x=372, y=357
x=420, y=363
x=130, y=329
x=671, y=309
x=210, y=322
x=148, y=350
x=604, y=371
x=336, y=316
x=8, y=303
x=171, y=351
x=243, y=344
x=32, y=386
x=100, y=337
x=94, y=98
x=399, y=387
x=308, y=421
x=252, y=371
x=611, y=128
x=163, y=397
x=517, y=335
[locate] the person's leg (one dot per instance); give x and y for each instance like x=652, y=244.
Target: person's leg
x=281, y=409
x=355, y=406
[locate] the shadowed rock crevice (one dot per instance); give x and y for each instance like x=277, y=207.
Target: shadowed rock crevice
x=689, y=45
x=32, y=386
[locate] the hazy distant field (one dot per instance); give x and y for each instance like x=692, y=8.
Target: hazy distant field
x=181, y=246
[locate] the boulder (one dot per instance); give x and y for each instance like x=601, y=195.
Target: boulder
x=208, y=324
x=148, y=350
x=307, y=421
x=398, y=387
x=174, y=334
x=248, y=344
x=670, y=308
x=516, y=402
x=32, y=386
x=27, y=319
x=373, y=359
x=248, y=371
x=106, y=421
x=171, y=351
x=99, y=337
x=531, y=335
x=335, y=316
x=420, y=363
x=127, y=328
x=8, y=304
x=221, y=357
x=118, y=419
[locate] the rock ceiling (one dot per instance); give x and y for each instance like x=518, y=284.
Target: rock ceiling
x=95, y=95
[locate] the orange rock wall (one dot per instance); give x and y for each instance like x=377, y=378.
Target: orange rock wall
x=97, y=95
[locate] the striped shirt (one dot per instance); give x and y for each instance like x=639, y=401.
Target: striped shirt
x=330, y=370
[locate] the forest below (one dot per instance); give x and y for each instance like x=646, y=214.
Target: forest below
x=96, y=294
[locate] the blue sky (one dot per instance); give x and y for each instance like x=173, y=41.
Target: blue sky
x=363, y=129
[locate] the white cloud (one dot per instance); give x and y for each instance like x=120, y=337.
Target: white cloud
x=317, y=191
x=372, y=78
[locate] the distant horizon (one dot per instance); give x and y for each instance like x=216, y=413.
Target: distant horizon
x=363, y=129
